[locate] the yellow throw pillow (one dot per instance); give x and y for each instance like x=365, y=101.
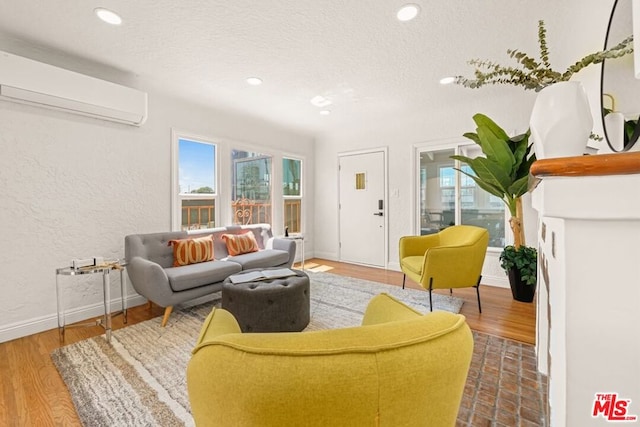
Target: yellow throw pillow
x=238, y=244
x=192, y=251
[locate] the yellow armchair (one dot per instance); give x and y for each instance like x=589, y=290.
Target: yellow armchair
x=452, y=258
x=399, y=368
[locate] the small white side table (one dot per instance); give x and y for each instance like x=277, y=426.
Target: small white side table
x=299, y=237
x=104, y=321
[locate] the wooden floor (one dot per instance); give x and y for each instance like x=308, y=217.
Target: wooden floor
x=501, y=314
x=33, y=394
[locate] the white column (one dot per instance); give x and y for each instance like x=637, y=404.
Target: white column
x=590, y=264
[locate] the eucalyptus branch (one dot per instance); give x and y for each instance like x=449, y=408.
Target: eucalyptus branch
x=534, y=74
x=542, y=42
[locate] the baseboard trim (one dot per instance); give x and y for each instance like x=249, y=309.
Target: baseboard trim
x=395, y=266
x=45, y=323
x=487, y=280
x=330, y=256
x=495, y=281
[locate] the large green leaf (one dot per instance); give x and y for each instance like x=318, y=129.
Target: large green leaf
x=488, y=188
x=485, y=186
x=473, y=136
x=483, y=121
x=491, y=172
x=463, y=159
x=487, y=171
x=524, y=168
x=519, y=187
x=496, y=149
x=504, y=172
x=519, y=145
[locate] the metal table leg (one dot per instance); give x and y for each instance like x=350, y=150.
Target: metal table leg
x=106, y=284
x=123, y=293
x=60, y=309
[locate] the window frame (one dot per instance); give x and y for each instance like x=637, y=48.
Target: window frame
x=459, y=148
x=176, y=196
x=300, y=196
x=262, y=154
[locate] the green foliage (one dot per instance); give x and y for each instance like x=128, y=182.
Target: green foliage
x=504, y=172
x=202, y=190
x=534, y=74
x=524, y=259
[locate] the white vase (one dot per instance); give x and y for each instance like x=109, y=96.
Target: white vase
x=561, y=121
x=614, y=123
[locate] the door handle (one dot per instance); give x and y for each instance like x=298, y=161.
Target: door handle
x=379, y=214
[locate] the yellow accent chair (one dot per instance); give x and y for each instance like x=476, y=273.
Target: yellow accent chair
x=451, y=258
x=399, y=368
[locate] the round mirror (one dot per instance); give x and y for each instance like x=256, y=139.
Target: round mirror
x=620, y=90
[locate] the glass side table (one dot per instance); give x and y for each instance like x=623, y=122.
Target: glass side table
x=104, y=321
x=299, y=237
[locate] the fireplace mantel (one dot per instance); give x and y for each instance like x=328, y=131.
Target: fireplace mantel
x=598, y=165
x=588, y=323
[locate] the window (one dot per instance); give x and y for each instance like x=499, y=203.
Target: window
x=194, y=184
x=448, y=184
x=251, y=187
x=292, y=193
x=448, y=197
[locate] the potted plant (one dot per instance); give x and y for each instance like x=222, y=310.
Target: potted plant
x=561, y=120
x=536, y=74
x=504, y=172
x=521, y=265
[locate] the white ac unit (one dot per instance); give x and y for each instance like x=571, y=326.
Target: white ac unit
x=28, y=81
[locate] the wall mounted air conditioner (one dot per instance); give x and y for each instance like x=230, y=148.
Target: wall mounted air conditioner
x=28, y=81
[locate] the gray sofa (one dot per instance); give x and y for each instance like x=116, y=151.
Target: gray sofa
x=149, y=260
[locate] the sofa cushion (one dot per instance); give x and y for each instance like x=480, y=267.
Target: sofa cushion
x=262, y=232
x=238, y=244
x=192, y=251
x=261, y=259
x=204, y=273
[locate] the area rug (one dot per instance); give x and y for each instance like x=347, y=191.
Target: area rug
x=139, y=380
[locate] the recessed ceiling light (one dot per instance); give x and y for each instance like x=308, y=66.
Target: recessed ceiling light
x=320, y=101
x=325, y=112
x=447, y=80
x=254, y=81
x=108, y=16
x=408, y=12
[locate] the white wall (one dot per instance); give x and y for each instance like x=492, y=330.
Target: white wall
x=400, y=135
x=574, y=29
x=73, y=187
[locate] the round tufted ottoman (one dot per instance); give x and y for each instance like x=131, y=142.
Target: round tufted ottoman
x=275, y=305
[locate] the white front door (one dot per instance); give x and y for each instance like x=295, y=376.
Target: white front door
x=363, y=208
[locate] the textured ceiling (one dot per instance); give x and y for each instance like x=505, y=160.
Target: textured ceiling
x=354, y=52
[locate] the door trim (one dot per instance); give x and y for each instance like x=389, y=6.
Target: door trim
x=385, y=156
x=414, y=188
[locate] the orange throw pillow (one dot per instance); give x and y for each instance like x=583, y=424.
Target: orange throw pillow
x=238, y=244
x=192, y=251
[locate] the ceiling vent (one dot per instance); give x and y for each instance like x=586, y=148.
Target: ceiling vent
x=32, y=82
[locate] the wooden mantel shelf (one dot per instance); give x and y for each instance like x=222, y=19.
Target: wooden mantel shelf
x=591, y=165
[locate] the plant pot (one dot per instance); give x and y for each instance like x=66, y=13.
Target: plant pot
x=520, y=290
x=561, y=121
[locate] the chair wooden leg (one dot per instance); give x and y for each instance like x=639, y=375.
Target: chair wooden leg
x=167, y=313
x=478, y=292
x=149, y=305
x=404, y=277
